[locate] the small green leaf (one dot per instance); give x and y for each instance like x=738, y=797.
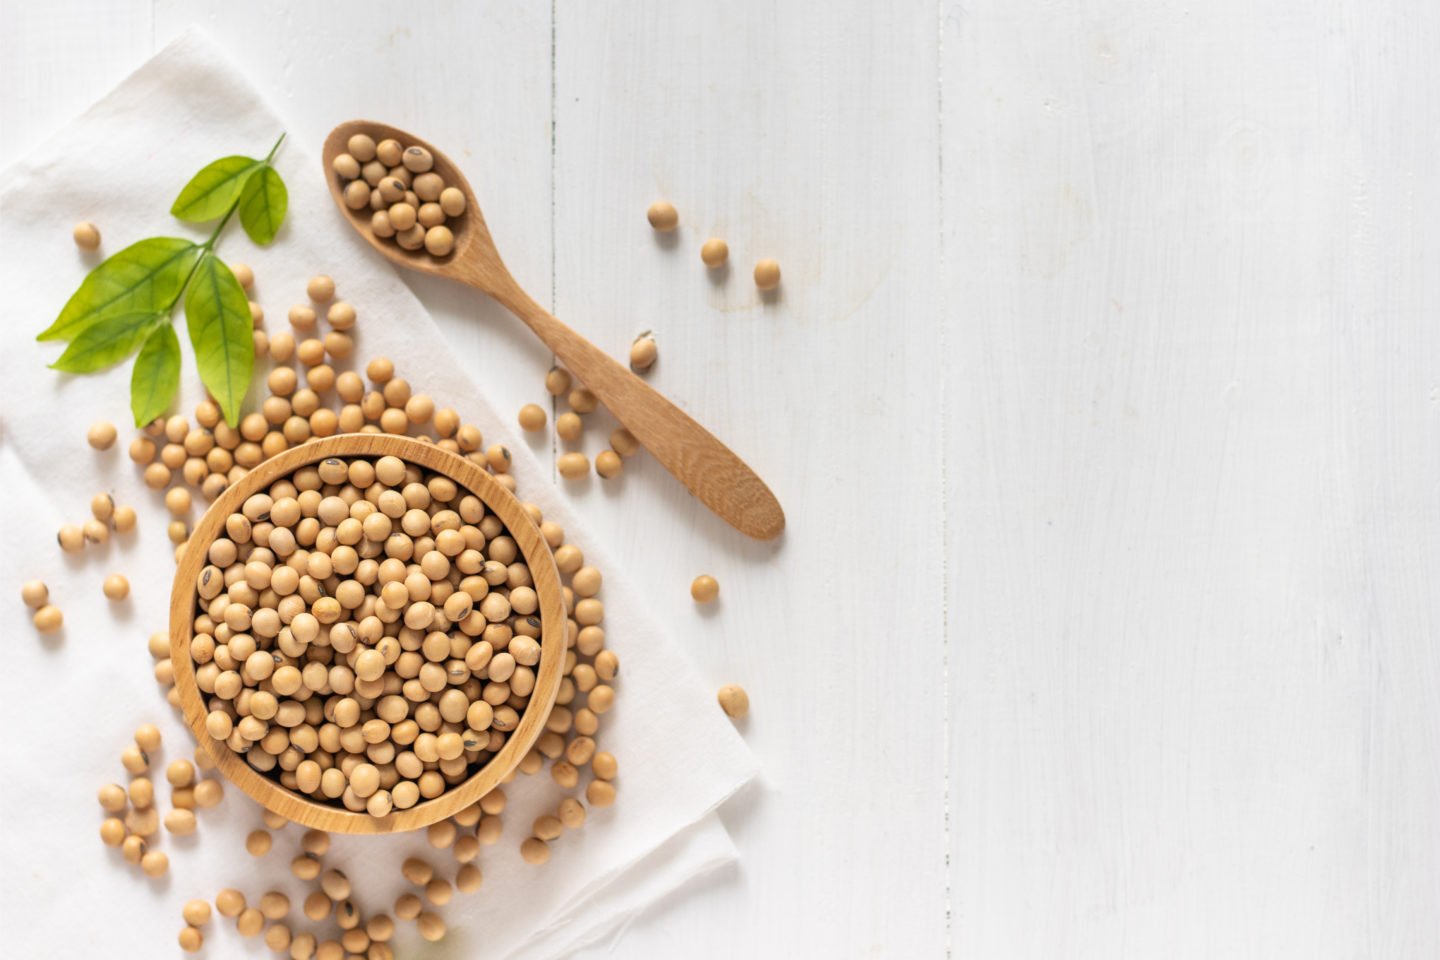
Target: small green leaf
x=156, y=375
x=106, y=342
x=263, y=203
x=212, y=191
x=217, y=314
x=145, y=277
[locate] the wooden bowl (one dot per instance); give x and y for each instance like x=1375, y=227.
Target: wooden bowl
x=297, y=807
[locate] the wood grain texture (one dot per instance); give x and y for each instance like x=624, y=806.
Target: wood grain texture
x=804, y=131
x=1192, y=453
x=707, y=468
x=1178, y=352
x=40, y=94
x=518, y=524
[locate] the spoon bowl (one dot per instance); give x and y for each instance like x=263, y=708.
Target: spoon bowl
x=711, y=470
x=471, y=234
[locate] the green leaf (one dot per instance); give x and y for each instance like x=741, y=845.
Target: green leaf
x=263, y=203
x=106, y=342
x=212, y=191
x=217, y=314
x=156, y=375
x=145, y=277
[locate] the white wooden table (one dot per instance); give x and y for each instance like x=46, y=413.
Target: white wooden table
x=1102, y=396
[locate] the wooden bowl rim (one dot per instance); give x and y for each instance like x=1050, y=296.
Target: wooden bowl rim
x=537, y=554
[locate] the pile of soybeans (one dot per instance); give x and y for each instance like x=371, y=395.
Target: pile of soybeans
x=366, y=635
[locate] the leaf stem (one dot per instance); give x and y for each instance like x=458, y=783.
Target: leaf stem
x=209, y=245
x=144, y=268
x=215, y=234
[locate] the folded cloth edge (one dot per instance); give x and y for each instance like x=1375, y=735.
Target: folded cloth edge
x=19, y=171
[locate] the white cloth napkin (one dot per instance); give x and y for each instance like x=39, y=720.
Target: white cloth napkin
x=70, y=702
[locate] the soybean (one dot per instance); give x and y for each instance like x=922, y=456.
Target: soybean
x=733, y=700
x=704, y=588
x=662, y=216
x=258, y=843
x=208, y=793
x=623, y=442
x=112, y=831
x=124, y=519
x=643, y=352
x=113, y=798
x=607, y=464
x=557, y=382
x=180, y=821
x=86, y=235
x=34, y=593
x=196, y=913
x=535, y=851
x=132, y=848
x=230, y=902
x=715, y=252
x=568, y=426
x=572, y=465
x=48, y=619
x=431, y=927
x=155, y=863
x=582, y=400
x=532, y=417
x=468, y=878
x=147, y=737
x=767, y=274
x=101, y=435
x=320, y=288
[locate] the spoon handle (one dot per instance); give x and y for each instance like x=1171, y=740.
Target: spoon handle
x=710, y=470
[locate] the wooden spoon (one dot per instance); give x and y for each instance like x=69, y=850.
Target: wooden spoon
x=711, y=470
